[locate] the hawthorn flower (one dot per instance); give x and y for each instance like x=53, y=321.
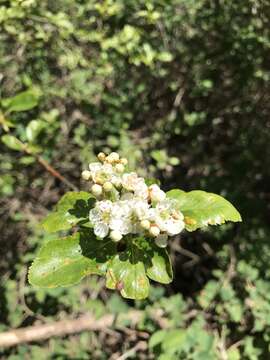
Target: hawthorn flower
x=156, y=194
x=121, y=220
x=168, y=218
x=101, y=173
x=100, y=217
x=126, y=205
x=132, y=182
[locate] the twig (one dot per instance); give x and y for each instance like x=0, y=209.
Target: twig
x=27, y=310
x=45, y=164
x=194, y=257
x=63, y=327
x=54, y=172
x=141, y=345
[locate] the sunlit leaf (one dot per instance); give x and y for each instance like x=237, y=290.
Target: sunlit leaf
x=126, y=273
x=201, y=208
x=12, y=142
x=66, y=261
x=160, y=268
x=70, y=210
x=25, y=100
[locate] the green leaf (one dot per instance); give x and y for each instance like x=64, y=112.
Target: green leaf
x=70, y=210
x=33, y=129
x=66, y=261
x=174, y=340
x=25, y=100
x=160, y=268
x=126, y=273
x=201, y=208
x=157, y=338
x=12, y=142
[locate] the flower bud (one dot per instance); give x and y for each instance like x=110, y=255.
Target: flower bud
x=156, y=194
x=154, y=230
x=86, y=175
x=112, y=157
x=101, y=156
x=145, y=224
x=116, y=182
x=161, y=240
x=115, y=235
x=123, y=161
x=107, y=186
x=120, y=168
x=96, y=190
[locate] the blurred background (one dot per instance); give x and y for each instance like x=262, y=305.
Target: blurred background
x=179, y=87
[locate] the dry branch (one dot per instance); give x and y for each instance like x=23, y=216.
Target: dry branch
x=63, y=327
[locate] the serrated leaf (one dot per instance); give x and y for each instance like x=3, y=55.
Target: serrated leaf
x=159, y=268
x=201, y=208
x=126, y=272
x=66, y=261
x=25, y=100
x=12, y=142
x=70, y=210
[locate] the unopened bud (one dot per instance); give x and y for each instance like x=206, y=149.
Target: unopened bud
x=120, y=168
x=123, y=161
x=112, y=157
x=101, y=156
x=86, y=175
x=115, y=235
x=116, y=182
x=96, y=190
x=161, y=240
x=154, y=231
x=156, y=194
x=145, y=224
x=107, y=186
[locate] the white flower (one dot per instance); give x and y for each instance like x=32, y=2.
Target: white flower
x=140, y=208
x=128, y=206
x=100, y=217
x=101, y=172
x=121, y=219
x=132, y=182
x=156, y=194
x=128, y=213
x=167, y=217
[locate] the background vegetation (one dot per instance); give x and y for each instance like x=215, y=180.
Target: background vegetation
x=179, y=87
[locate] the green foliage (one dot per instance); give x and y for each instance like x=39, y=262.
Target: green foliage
x=193, y=342
x=67, y=260
x=24, y=101
x=12, y=142
x=71, y=209
x=158, y=80
x=202, y=209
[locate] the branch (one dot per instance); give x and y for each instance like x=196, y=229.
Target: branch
x=54, y=172
x=63, y=327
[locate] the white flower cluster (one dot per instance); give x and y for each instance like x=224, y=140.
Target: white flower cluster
x=126, y=205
